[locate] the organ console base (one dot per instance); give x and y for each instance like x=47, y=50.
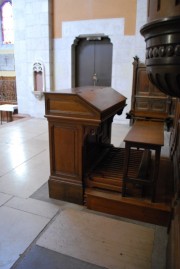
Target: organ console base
x=65, y=191
x=128, y=207
x=104, y=188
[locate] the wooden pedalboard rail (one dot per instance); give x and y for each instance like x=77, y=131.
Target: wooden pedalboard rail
x=108, y=174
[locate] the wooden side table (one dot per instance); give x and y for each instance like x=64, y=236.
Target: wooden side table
x=8, y=108
x=144, y=135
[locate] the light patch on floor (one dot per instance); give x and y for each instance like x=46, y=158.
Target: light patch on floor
x=100, y=240
x=18, y=230
x=33, y=206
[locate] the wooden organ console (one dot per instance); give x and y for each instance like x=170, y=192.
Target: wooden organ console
x=85, y=168
x=79, y=122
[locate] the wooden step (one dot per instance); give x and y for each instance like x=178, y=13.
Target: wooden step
x=137, y=209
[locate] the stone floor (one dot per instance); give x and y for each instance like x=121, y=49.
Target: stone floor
x=31, y=223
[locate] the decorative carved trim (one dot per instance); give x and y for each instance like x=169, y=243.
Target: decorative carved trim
x=37, y=67
x=38, y=94
x=163, y=54
x=163, y=51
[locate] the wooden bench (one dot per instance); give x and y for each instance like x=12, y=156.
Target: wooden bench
x=148, y=135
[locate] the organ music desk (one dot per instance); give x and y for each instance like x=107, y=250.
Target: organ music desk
x=79, y=122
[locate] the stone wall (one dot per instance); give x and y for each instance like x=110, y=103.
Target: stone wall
x=32, y=43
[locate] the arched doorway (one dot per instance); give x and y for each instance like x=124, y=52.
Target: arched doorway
x=92, y=61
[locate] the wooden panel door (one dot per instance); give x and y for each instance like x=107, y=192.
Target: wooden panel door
x=93, y=62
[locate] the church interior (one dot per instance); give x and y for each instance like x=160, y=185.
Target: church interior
x=89, y=134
